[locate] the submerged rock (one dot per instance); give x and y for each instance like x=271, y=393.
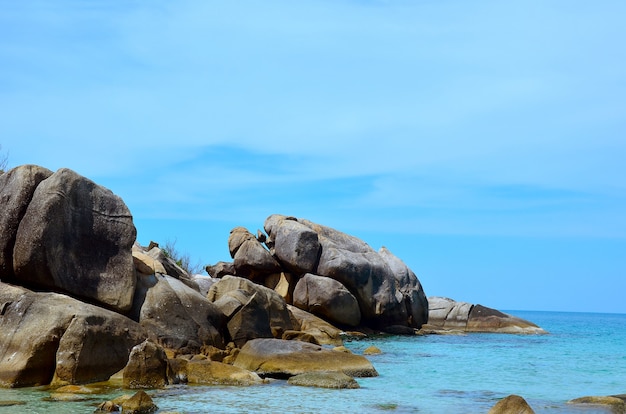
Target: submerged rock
x=324, y=380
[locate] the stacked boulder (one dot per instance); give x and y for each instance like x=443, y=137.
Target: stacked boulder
x=328, y=273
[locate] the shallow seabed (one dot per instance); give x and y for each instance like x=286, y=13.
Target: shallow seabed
x=584, y=354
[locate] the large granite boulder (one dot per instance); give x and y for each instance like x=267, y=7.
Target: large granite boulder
x=448, y=315
x=294, y=244
x=252, y=310
x=176, y=316
x=49, y=337
x=373, y=278
x=16, y=191
x=281, y=358
x=77, y=236
x=327, y=298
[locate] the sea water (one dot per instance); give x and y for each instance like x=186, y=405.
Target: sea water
x=584, y=354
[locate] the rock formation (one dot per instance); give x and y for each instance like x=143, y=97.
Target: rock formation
x=448, y=315
x=333, y=275
x=80, y=299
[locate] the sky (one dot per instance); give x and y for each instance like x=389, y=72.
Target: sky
x=482, y=142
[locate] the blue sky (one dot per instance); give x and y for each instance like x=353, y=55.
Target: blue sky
x=481, y=142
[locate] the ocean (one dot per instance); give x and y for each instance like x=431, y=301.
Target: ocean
x=584, y=354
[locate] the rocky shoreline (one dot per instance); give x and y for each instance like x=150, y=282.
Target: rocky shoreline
x=81, y=302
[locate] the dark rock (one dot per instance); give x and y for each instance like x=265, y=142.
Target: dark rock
x=409, y=285
x=17, y=187
x=77, y=236
x=327, y=298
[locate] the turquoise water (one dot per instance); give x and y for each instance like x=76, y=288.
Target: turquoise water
x=584, y=354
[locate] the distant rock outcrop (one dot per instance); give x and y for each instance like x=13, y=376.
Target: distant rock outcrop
x=448, y=315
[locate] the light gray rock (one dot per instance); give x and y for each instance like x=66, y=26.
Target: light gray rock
x=448, y=315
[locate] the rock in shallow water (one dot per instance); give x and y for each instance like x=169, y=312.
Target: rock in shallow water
x=324, y=380
x=513, y=404
x=280, y=358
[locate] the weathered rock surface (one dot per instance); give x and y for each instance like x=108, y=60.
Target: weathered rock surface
x=324, y=380
x=280, y=358
x=175, y=315
x=139, y=403
x=146, y=367
x=252, y=310
x=448, y=315
x=328, y=299
x=513, y=404
x=49, y=337
x=16, y=191
x=76, y=236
